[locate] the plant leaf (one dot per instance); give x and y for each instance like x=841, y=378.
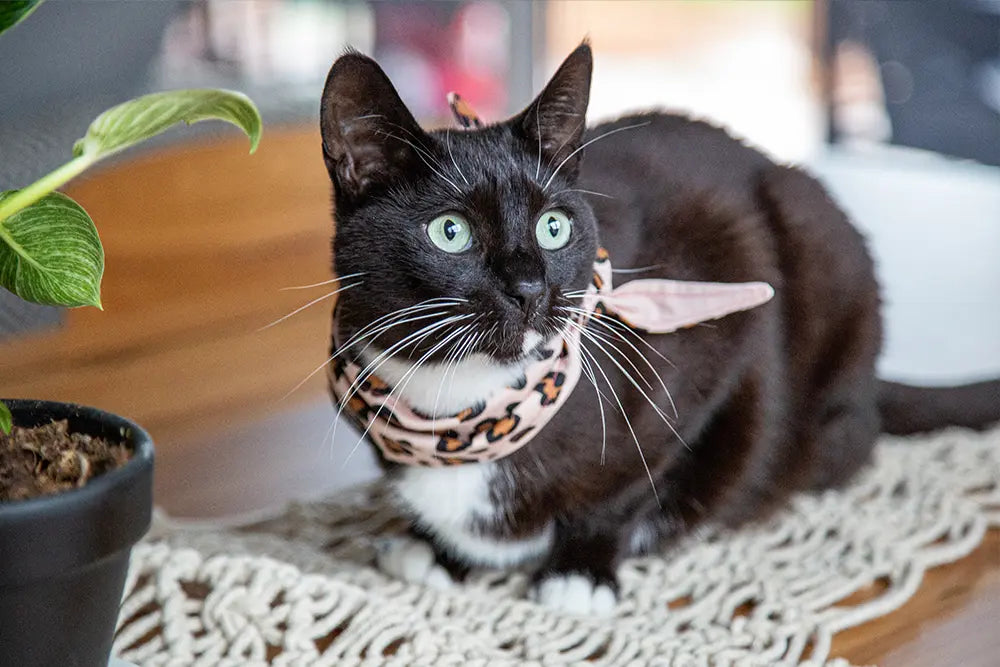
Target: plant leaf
x=144, y=117
x=13, y=12
x=6, y=420
x=50, y=253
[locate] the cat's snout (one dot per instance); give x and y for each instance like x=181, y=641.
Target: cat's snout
x=526, y=294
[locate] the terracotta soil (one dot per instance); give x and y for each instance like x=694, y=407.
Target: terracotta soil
x=49, y=459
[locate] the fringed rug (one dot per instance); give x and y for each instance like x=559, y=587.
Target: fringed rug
x=301, y=589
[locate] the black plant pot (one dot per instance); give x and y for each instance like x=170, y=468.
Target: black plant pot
x=64, y=557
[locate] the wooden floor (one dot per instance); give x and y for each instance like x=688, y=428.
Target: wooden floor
x=200, y=240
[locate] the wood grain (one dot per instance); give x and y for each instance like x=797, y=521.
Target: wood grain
x=199, y=240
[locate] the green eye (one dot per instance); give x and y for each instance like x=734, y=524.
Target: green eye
x=553, y=230
x=450, y=232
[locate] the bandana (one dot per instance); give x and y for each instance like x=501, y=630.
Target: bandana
x=515, y=414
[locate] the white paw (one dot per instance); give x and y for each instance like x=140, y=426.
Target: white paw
x=412, y=561
x=575, y=594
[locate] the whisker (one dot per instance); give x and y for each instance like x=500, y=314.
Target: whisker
x=589, y=374
x=586, y=192
x=464, y=351
x=325, y=282
x=380, y=359
x=355, y=386
x=311, y=303
x=628, y=376
x=584, y=332
x=610, y=343
x=343, y=349
x=611, y=321
x=355, y=339
x=408, y=310
x=606, y=322
x=384, y=356
x=373, y=335
x=640, y=269
x=449, y=360
x=597, y=138
x=414, y=338
x=420, y=153
x=466, y=346
x=569, y=136
x=423, y=151
x=380, y=325
x=628, y=422
x=465, y=343
x=416, y=138
x=327, y=437
x=538, y=126
x=401, y=387
x=447, y=140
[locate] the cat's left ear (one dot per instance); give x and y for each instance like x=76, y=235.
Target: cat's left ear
x=369, y=136
x=554, y=122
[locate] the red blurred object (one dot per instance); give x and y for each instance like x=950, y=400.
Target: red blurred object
x=431, y=48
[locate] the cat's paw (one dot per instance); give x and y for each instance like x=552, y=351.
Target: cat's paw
x=574, y=593
x=412, y=561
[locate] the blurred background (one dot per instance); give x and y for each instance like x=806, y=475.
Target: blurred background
x=895, y=106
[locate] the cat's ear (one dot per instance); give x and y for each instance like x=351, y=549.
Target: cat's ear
x=554, y=122
x=368, y=133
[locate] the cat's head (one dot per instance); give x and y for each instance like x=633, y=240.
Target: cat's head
x=480, y=233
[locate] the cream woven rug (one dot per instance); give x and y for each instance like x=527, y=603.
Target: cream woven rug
x=301, y=589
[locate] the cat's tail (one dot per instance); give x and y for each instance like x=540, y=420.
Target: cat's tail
x=906, y=409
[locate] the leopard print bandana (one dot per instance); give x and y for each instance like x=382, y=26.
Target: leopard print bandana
x=511, y=417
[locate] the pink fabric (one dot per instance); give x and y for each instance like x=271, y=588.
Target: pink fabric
x=662, y=306
x=514, y=415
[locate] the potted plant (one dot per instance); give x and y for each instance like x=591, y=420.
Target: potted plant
x=75, y=482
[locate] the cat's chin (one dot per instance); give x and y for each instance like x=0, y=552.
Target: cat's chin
x=532, y=339
x=514, y=354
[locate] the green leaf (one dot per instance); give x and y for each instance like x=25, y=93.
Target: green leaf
x=50, y=253
x=144, y=117
x=6, y=420
x=13, y=12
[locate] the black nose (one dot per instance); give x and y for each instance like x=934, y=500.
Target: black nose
x=526, y=294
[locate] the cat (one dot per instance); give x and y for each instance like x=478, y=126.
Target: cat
x=752, y=407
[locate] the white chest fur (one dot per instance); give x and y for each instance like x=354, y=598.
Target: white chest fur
x=450, y=502
x=446, y=389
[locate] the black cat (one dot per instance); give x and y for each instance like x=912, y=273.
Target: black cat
x=769, y=401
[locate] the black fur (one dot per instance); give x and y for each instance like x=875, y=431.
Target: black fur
x=770, y=401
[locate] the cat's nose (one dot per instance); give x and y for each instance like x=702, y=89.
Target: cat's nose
x=526, y=294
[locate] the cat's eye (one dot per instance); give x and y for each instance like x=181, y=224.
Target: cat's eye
x=450, y=232
x=553, y=230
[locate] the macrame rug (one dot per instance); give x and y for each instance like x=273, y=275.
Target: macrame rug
x=301, y=589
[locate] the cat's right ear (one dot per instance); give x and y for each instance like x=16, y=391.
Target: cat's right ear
x=368, y=133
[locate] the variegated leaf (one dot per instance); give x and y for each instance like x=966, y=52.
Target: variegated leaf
x=51, y=253
x=139, y=119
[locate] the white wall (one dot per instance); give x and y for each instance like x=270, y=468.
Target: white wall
x=933, y=225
